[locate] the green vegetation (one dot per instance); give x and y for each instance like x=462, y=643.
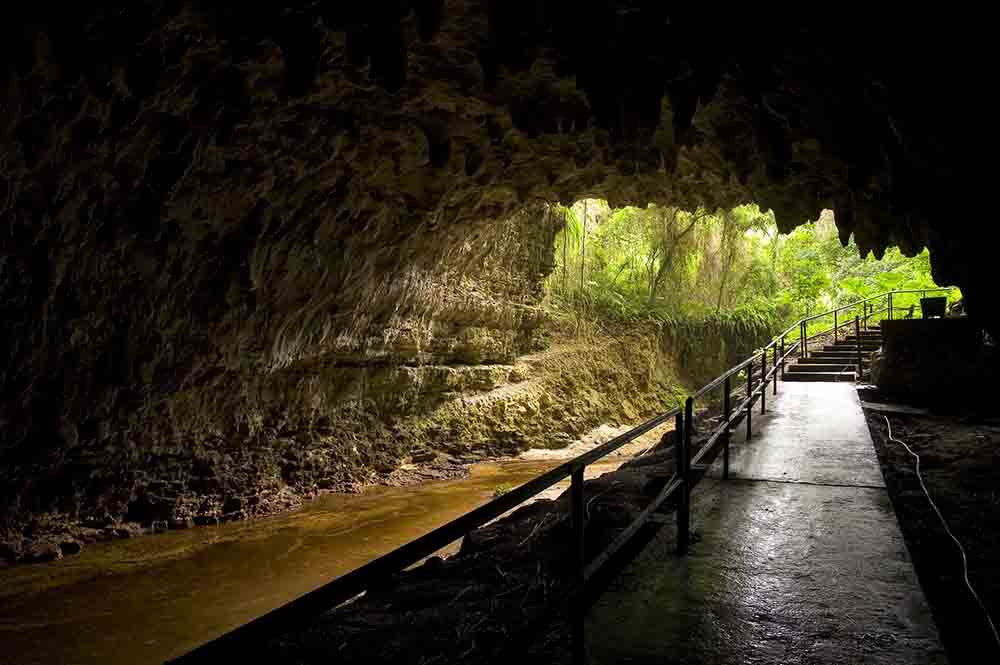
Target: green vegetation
x=824, y=274
x=502, y=489
x=724, y=272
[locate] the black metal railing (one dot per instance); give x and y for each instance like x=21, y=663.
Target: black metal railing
x=758, y=375
x=344, y=588
x=865, y=311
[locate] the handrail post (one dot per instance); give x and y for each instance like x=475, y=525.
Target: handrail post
x=782, y=358
x=763, y=382
x=579, y=520
x=727, y=411
x=774, y=369
x=857, y=335
x=802, y=340
x=688, y=431
x=749, y=401
x=682, y=462
x=890, y=305
x=579, y=525
x=834, y=326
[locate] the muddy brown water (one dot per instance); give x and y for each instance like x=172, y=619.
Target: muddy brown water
x=146, y=600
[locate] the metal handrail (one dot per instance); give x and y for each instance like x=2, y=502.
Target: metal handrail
x=802, y=323
x=869, y=298
x=716, y=382
x=358, y=581
x=736, y=369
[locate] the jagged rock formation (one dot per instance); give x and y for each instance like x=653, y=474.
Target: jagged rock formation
x=220, y=220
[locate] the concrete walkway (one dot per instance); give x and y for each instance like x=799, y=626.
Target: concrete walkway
x=800, y=558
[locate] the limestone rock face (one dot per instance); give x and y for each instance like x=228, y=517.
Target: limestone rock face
x=222, y=224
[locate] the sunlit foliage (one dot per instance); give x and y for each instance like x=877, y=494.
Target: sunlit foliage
x=671, y=265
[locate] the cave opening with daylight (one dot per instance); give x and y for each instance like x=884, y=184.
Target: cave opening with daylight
x=628, y=263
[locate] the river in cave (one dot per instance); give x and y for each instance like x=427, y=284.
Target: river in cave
x=144, y=600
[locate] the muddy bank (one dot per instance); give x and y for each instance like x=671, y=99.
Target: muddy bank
x=51, y=537
x=960, y=464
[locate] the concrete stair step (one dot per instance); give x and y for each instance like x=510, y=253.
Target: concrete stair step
x=830, y=359
x=851, y=348
x=825, y=367
x=819, y=376
x=866, y=354
x=833, y=359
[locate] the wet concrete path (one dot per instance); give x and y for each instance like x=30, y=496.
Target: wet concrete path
x=800, y=557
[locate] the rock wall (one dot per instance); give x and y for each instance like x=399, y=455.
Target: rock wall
x=231, y=440
x=218, y=221
x=942, y=363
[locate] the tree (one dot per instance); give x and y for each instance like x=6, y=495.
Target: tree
x=671, y=228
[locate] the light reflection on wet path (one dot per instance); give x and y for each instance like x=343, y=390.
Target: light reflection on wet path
x=798, y=556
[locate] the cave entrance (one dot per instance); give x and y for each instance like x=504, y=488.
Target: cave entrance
x=663, y=263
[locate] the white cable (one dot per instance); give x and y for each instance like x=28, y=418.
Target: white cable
x=965, y=562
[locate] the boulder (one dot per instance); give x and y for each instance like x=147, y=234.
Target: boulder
x=41, y=550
